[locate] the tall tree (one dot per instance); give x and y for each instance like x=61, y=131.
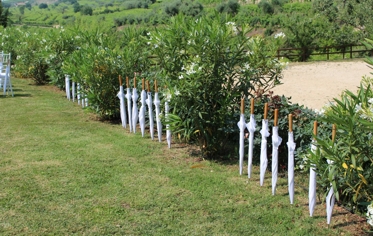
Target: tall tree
x=4, y=15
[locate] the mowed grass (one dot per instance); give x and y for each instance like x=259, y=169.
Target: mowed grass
x=63, y=172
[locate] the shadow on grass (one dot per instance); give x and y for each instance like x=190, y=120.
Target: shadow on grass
x=16, y=95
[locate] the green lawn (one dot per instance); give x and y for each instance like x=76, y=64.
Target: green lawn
x=62, y=172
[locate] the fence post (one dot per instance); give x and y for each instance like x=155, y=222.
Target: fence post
x=327, y=54
x=350, y=51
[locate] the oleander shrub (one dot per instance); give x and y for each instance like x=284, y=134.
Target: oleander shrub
x=208, y=65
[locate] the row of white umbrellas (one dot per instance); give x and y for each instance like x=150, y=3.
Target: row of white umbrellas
x=138, y=116
x=276, y=142
x=129, y=112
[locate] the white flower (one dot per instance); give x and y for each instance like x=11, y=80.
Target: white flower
x=301, y=167
x=177, y=93
x=358, y=108
x=249, y=53
x=155, y=45
x=370, y=209
x=279, y=35
x=370, y=100
x=181, y=76
x=148, y=33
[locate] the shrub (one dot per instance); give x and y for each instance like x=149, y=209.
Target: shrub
x=204, y=65
x=351, y=170
x=232, y=7
x=98, y=62
x=86, y=10
x=351, y=153
x=43, y=6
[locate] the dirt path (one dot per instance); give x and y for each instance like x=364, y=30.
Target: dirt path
x=313, y=84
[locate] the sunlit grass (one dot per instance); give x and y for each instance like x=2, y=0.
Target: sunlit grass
x=63, y=172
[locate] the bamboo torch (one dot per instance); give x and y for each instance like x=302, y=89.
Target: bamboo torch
x=276, y=117
x=290, y=123
x=265, y=110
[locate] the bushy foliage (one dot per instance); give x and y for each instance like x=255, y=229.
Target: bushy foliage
x=98, y=62
x=43, y=6
x=266, y=7
x=351, y=167
x=232, y=7
x=206, y=69
x=86, y=10
x=187, y=7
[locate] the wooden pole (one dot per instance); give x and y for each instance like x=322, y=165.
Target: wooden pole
x=147, y=85
x=143, y=84
x=265, y=110
x=315, y=128
x=334, y=131
x=134, y=81
x=120, y=80
x=127, y=82
x=242, y=105
x=156, y=86
x=252, y=106
x=290, y=123
x=276, y=117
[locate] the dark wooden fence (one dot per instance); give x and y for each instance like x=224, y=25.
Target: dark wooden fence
x=303, y=54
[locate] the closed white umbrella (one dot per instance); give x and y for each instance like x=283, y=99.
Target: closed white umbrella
x=330, y=198
x=135, y=111
x=67, y=86
x=78, y=93
x=241, y=125
x=291, y=149
x=276, y=141
x=168, y=131
x=157, y=104
x=312, y=185
x=263, y=147
x=73, y=90
x=129, y=106
x=251, y=128
x=142, y=109
x=149, y=102
x=122, y=105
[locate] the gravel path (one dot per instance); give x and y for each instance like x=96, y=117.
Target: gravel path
x=313, y=84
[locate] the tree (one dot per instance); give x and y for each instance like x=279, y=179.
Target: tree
x=4, y=15
x=77, y=7
x=232, y=7
x=43, y=6
x=28, y=6
x=86, y=10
